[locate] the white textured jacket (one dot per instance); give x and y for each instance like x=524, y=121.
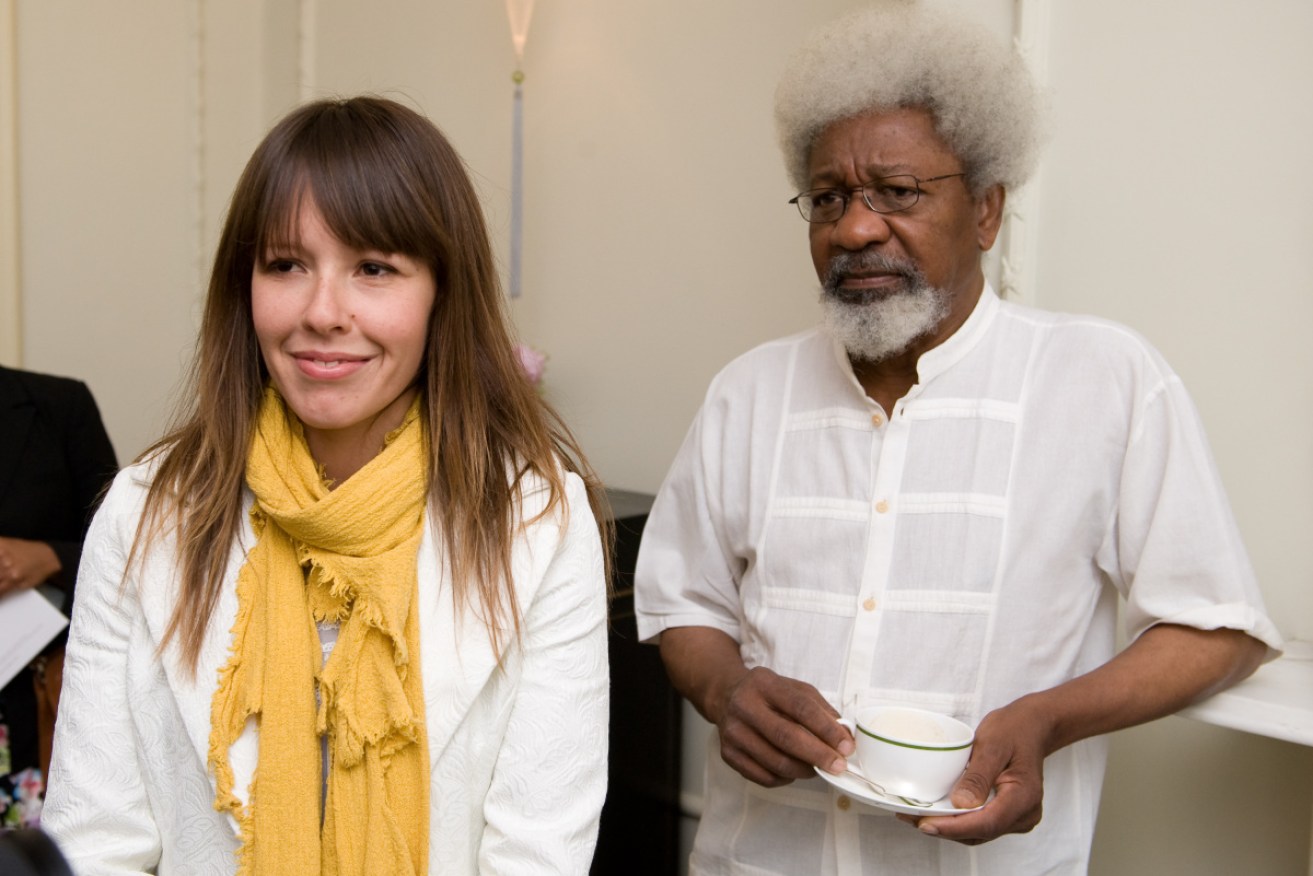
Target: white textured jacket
x=518, y=752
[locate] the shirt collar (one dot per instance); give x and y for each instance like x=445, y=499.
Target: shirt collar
x=936, y=361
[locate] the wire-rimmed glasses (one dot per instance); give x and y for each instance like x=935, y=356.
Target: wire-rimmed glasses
x=884, y=194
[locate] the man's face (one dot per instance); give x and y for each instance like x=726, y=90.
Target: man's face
x=874, y=267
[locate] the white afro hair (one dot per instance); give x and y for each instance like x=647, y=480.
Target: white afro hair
x=903, y=54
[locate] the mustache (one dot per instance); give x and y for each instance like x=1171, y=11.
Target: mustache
x=869, y=261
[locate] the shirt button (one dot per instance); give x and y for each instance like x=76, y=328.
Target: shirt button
x=882, y=507
x=843, y=803
x=877, y=420
x=869, y=604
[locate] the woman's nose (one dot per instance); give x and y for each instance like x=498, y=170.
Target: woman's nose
x=327, y=309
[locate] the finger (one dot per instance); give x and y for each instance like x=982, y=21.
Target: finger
x=1014, y=809
x=770, y=770
x=977, y=831
x=971, y=790
x=802, y=705
x=802, y=745
x=770, y=707
x=779, y=743
x=981, y=774
x=757, y=759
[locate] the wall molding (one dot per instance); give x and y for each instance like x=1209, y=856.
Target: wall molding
x=11, y=274
x=308, y=23
x=1017, y=263
x=199, y=118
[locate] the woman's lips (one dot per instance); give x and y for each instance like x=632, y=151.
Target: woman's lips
x=329, y=366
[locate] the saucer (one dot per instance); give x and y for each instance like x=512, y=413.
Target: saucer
x=859, y=790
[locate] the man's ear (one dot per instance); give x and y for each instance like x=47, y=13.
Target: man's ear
x=989, y=216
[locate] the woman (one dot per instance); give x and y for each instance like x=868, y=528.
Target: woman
x=365, y=473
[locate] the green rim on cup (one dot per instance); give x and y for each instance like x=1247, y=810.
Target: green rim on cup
x=903, y=744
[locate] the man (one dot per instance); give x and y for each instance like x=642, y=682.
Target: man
x=935, y=499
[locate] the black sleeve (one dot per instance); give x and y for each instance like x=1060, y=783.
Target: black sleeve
x=91, y=463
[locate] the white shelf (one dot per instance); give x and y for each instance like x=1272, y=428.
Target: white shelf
x=1275, y=701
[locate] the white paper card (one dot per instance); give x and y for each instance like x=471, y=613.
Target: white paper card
x=27, y=624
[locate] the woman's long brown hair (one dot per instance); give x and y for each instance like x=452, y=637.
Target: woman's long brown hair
x=383, y=177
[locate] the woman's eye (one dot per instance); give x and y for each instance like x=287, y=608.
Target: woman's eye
x=375, y=269
x=280, y=266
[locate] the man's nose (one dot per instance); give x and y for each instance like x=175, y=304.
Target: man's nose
x=860, y=226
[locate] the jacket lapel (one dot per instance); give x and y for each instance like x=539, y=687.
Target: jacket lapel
x=193, y=693
x=457, y=657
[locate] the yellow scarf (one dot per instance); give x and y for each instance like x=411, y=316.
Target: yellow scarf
x=349, y=556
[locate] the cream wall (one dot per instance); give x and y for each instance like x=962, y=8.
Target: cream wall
x=1174, y=197
x=130, y=132
x=1164, y=111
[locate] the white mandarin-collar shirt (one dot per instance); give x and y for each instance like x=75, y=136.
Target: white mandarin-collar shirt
x=959, y=551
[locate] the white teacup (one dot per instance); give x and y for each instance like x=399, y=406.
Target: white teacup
x=911, y=753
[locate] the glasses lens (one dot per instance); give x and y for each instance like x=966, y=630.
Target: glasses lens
x=890, y=194
x=822, y=205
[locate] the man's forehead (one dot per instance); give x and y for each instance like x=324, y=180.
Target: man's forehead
x=840, y=171
x=880, y=143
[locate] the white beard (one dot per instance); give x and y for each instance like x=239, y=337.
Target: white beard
x=885, y=325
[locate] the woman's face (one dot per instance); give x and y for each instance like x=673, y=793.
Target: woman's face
x=342, y=332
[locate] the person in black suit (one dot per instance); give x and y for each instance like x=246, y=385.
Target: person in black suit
x=55, y=460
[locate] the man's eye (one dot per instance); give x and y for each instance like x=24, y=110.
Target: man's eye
x=895, y=191
x=826, y=199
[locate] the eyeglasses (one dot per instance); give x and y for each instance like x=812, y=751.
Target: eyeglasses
x=884, y=194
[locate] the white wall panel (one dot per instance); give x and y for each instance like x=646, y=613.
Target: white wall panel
x=11, y=313
x=106, y=151
x=134, y=120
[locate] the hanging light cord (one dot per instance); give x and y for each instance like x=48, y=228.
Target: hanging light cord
x=517, y=181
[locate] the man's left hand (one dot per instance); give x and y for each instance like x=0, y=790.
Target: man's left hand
x=1165, y=669
x=1008, y=758
x=25, y=564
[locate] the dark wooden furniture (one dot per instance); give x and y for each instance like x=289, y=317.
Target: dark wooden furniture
x=640, y=821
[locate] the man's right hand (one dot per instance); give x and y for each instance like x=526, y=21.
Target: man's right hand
x=25, y=564
x=775, y=729
x=772, y=729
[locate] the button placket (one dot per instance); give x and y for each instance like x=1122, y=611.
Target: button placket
x=888, y=456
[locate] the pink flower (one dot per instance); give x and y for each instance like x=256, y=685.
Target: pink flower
x=532, y=362
x=28, y=784
x=29, y=787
